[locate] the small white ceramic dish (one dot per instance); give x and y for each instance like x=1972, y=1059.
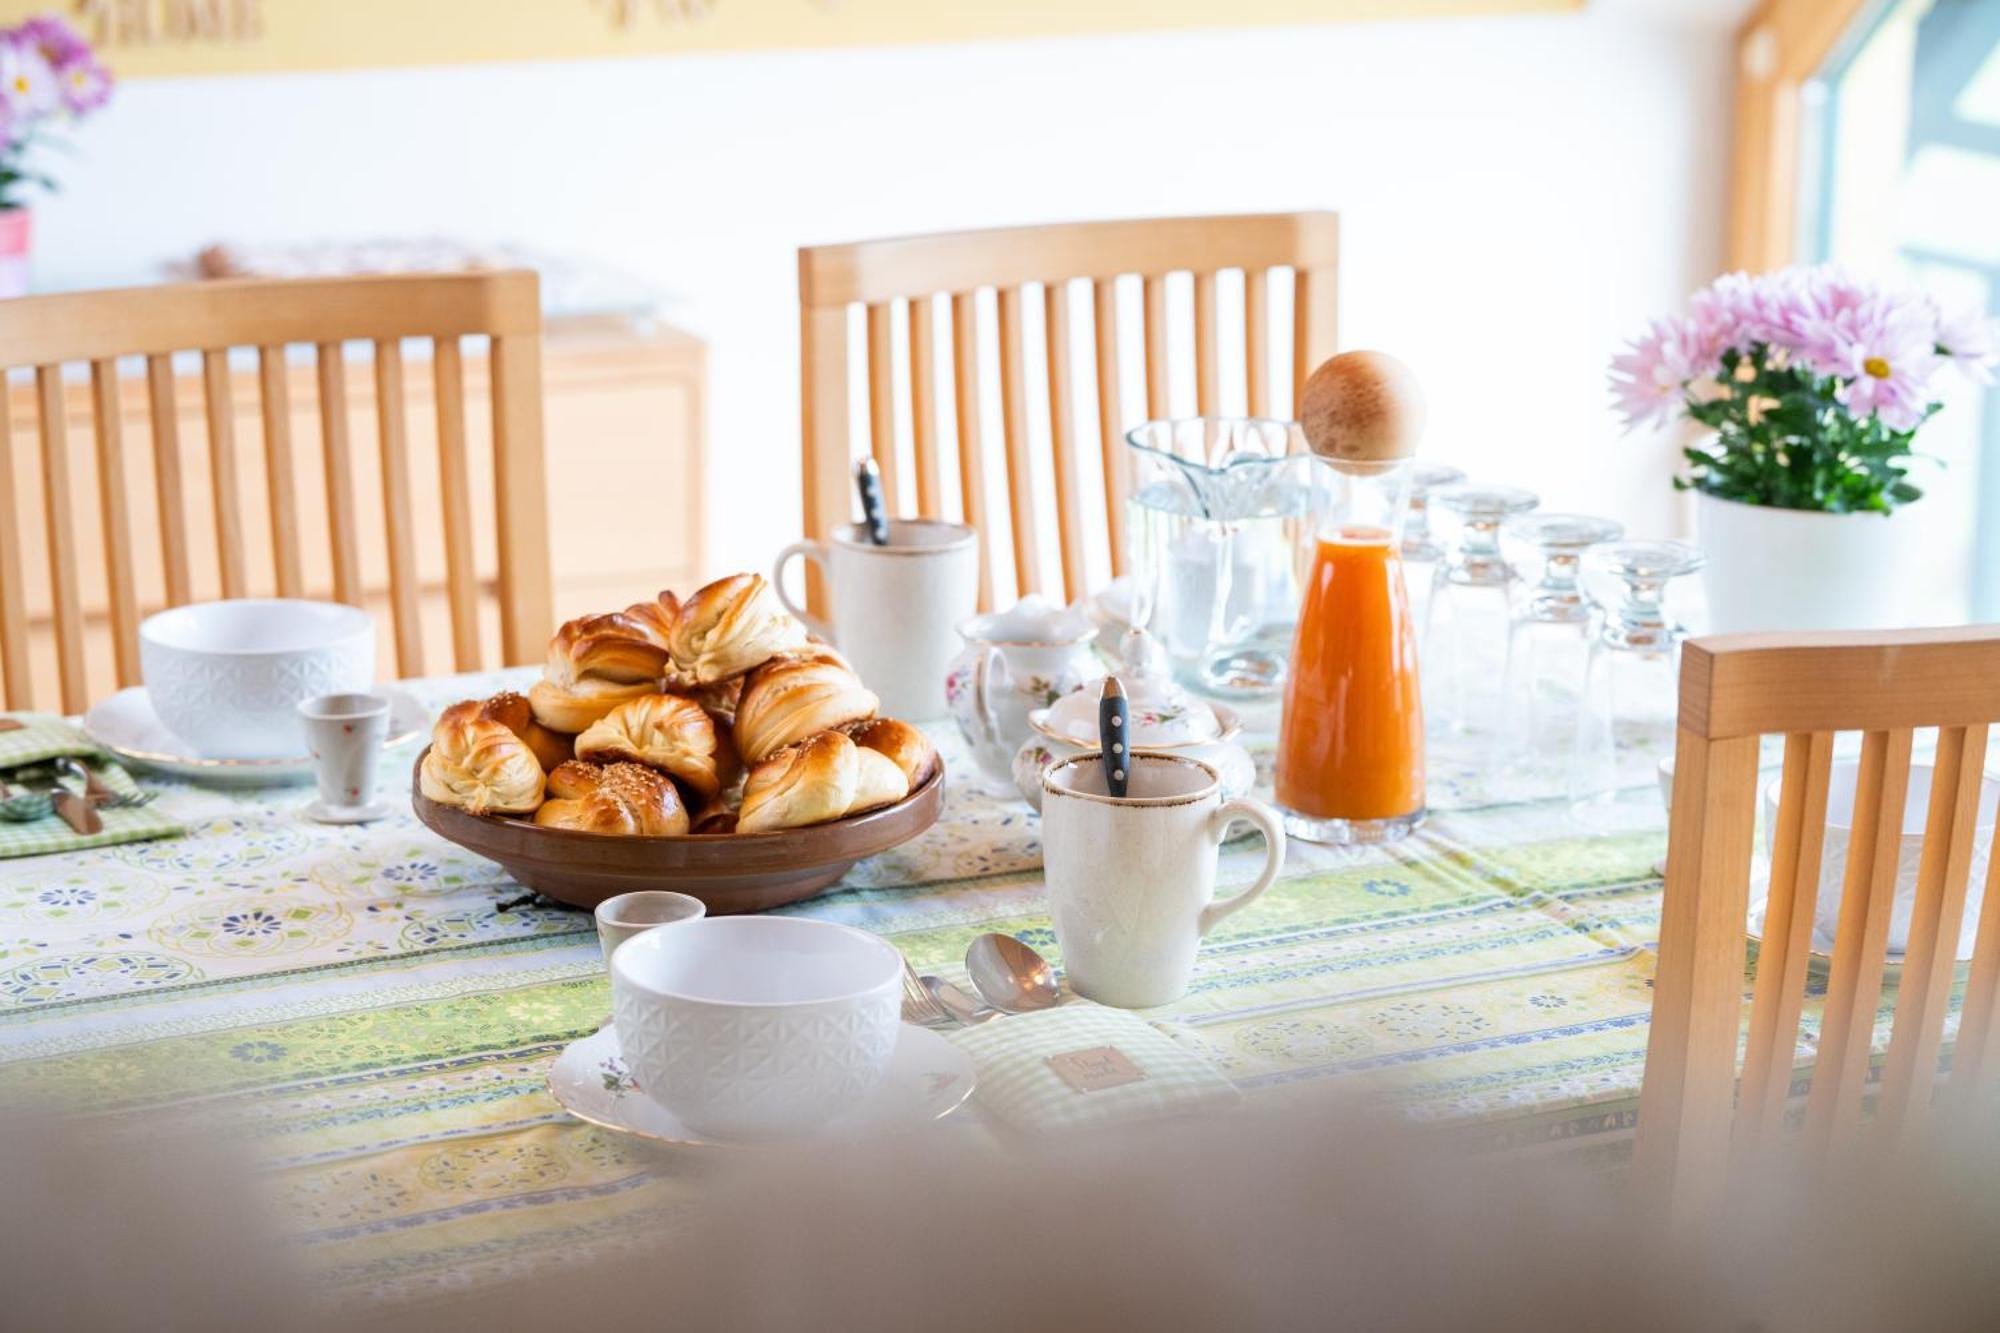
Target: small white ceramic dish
x=757, y=1026
x=227, y=677
x=928, y=1078
x=126, y=726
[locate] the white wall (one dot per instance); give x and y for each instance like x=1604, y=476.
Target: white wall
x=1518, y=195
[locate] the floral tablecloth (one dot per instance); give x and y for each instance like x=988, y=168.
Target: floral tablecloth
x=356, y=1005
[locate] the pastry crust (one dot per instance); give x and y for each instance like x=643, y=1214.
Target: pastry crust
x=795, y=698
x=621, y=646
x=877, y=782
x=571, y=709
x=479, y=765
x=628, y=800
x=514, y=712
x=911, y=750
x=809, y=783
x=732, y=626
x=663, y=731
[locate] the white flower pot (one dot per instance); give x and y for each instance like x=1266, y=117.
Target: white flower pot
x=1785, y=569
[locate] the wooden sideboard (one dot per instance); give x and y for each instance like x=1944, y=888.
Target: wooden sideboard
x=624, y=412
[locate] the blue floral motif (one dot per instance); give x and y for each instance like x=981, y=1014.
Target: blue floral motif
x=1543, y=1000
x=1386, y=888
x=258, y=1052
x=255, y=923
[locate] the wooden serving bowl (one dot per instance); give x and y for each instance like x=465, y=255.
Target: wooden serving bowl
x=730, y=872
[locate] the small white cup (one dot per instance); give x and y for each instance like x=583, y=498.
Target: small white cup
x=895, y=608
x=757, y=1027
x=345, y=734
x=621, y=917
x=1131, y=879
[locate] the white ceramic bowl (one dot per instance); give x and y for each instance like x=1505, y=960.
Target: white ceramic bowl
x=1916, y=810
x=757, y=1026
x=228, y=677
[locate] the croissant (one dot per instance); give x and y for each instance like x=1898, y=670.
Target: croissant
x=825, y=778
x=623, y=646
x=514, y=712
x=787, y=700
x=626, y=799
x=911, y=750
x=479, y=765
x=664, y=731
x=571, y=709
x=731, y=626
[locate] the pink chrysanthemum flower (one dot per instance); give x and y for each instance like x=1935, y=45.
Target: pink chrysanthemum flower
x=1650, y=378
x=1971, y=342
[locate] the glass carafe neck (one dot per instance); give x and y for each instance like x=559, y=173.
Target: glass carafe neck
x=1360, y=500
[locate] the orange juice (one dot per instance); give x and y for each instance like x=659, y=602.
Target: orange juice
x=1351, y=742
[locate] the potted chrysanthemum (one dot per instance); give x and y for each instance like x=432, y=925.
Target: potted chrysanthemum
x=1814, y=385
x=48, y=76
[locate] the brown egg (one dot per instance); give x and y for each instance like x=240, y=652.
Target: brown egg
x=1362, y=407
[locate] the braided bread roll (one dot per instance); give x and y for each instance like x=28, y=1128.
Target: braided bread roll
x=629, y=800
x=731, y=626
x=907, y=747
x=571, y=709
x=479, y=765
x=789, y=699
x=514, y=712
x=622, y=646
x=664, y=731
x=825, y=778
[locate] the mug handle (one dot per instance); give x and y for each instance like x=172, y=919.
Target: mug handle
x=816, y=553
x=1267, y=822
x=985, y=721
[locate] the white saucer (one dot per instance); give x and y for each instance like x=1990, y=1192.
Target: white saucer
x=1820, y=951
x=322, y=813
x=928, y=1079
x=126, y=725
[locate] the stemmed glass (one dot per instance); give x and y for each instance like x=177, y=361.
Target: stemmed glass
x=1464, y=643
x=1422, y=551
x=1549, y=641
x=1631, y=689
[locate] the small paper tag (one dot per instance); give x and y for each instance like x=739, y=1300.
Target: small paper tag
x=1096, y=1069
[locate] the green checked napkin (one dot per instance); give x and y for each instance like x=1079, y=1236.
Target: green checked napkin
x=42, y=738
x=1081, y=1065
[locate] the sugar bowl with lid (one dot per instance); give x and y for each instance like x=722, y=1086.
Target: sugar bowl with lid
x=1016, y=661
x=1162, y=716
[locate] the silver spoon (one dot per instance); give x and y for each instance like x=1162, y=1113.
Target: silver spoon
x=957, y=1003
x=1010, y=976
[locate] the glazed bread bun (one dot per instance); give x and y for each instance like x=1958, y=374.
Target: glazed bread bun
x=731, y=626
x=619, y=646
x=479, y=765
x=514, y=712
x=663, y=731
x=911, y=750
x=821, y=779
x=629, y=800
x=793, y=698
x=571, y=709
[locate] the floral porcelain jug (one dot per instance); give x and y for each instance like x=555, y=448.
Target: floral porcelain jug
x=1016, y=661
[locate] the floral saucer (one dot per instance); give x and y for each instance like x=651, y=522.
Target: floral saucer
x=928, y=1079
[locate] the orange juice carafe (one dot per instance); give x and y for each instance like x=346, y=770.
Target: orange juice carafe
x=1351, y=739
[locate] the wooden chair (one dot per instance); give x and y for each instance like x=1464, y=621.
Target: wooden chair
x=45, y=333
x=1695, y=1116
x=918, y=272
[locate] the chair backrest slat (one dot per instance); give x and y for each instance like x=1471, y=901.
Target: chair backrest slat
x=280, y=483
x=1046, y=469
x=1694, y=1117
x=114, y=514
x=221, y=325
x=461, y=574
x=169, y=495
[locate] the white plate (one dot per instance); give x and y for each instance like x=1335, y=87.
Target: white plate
x=126, y=725
x=1820, y=952
x=928, y=1079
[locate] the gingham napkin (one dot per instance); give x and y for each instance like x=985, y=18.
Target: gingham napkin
x=42, y=738
x=1081, y=1065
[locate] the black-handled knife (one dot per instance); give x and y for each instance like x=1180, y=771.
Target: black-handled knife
x=1111, y=720
x=874, y=510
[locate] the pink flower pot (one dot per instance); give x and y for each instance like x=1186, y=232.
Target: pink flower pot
x=16, y=235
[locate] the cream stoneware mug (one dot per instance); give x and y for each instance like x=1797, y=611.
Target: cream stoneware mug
x=1131, y=879
x=895, y=608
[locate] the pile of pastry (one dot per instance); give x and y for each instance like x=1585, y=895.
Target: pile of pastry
x=711, y=716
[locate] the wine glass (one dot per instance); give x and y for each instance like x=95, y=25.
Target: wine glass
x=1549, y=641
x=1631, y=689
x=1464, y=645
x=1422, y=551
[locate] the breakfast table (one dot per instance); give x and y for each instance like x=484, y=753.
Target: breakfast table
x=372, y=1011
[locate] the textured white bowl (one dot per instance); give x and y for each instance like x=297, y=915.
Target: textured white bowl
x=757, y=1026
x=228, y=677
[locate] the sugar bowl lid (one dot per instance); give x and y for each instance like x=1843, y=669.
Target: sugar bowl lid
x=1034, y=620
x=1162, y=714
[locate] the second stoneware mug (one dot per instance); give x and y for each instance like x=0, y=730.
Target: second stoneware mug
x=1131, y=879
x=895, y=608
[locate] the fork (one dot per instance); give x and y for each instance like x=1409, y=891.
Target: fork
x=99, y=793
x=919, y=1005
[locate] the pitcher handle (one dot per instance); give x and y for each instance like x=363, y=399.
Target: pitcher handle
x=1267, y=822
x=984, y=719
x=816, y=553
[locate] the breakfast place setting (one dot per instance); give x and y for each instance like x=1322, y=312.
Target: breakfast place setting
x=1085, y=767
